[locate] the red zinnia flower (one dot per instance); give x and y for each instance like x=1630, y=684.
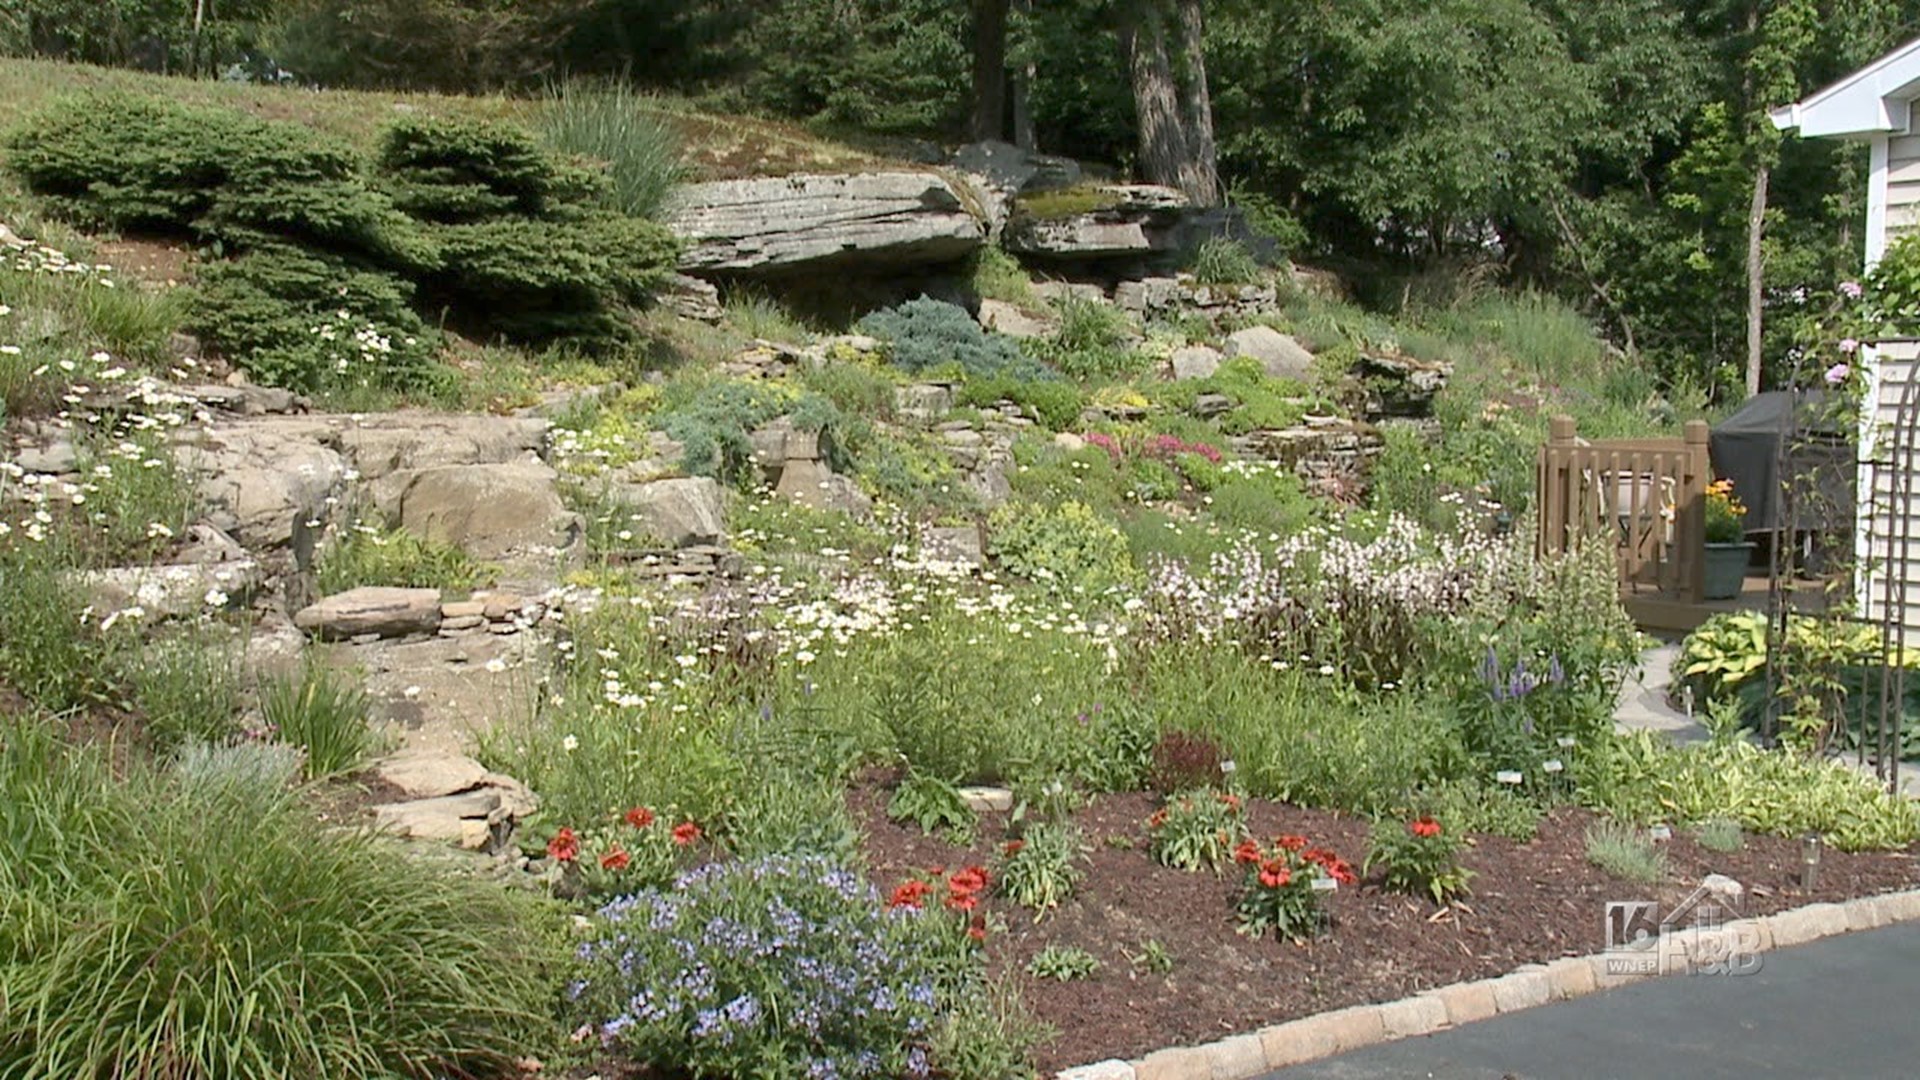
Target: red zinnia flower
x=639, y=817
x=1291, y=842
x=617, y=859
x=1425, y=827
x=685, y=833
x=564, y=846
x=1247, y=853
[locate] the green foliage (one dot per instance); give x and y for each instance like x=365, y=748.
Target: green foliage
x=369, y=554
x=1476, y=807
x=1067, y=547
x=762, y=317
x=1056, y=404
x=452, y=45
x=1260, y=403
x=1278, y=893
x=55, y=316
x=1154, y=958
x=1062, y=963
x=1220, y=260
x=793, y=811
x=1625, y=852
x=186, y=688
x=138, y=498
x=1197, y=830
x=519, y=251
x=1418, y=857
x=1091, y=343
x=1723, y=652
x=712, y=419
x=1638, y=779
x=1041, y=869
x=1719, y=834
x=931, y=803
x=146, y=937
x=315, y=322
x=927, y=335
x=49, y=652
x=611, y=122
x=997, y=275
x=324, y=714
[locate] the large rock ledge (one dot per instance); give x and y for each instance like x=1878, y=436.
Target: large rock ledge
x=796, y=222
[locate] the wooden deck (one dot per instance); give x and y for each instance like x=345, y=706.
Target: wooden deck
x=1658, y=614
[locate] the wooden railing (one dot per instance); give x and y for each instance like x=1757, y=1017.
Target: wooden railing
x=1645, y=496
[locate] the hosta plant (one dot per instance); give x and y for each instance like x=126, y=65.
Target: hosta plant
x=1196, y=831
x=1419, y=857
x=1284, y=883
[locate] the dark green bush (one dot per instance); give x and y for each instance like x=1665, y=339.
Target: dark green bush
x=1053, y=402
x=474, y=223
x=523, y=249
x=219, y=176
x=928, y=334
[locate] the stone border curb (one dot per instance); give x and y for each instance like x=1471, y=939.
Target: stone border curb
x=1241, y=1057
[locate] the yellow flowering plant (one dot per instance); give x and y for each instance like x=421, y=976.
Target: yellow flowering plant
x=1726, y=514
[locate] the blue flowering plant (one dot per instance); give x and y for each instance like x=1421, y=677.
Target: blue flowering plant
x=1524, y=716
x=782, y=966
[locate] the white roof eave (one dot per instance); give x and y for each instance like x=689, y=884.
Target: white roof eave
x=1871, y=101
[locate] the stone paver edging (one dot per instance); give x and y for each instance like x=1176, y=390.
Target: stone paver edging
x=1241, y=1057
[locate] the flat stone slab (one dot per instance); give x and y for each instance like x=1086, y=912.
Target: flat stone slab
x=378, y=610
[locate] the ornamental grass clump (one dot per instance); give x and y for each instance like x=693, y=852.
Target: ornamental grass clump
x=772, y=967
x=1419, y=857
x=198, y=921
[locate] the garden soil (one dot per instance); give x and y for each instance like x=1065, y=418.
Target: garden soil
x=1531, y=903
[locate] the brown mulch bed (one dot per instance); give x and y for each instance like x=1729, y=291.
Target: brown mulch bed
x=1531, y=903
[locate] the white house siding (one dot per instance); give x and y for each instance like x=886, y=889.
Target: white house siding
x=1902, y=183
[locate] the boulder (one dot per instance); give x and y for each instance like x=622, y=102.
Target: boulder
x=960, y=544
x=681, y=512
x=466, y=819
x=813, y=484
x=488, y=511
x=53, y=458
x=206, y=544
x=258, y=475
x=1278, y=353
x=1121, y=220
x=172, y=591
x=1194, y=362
x=1002, y=317
x=873, y=220
x=691, y=298
x=922, y=401
x=380, y=446
x=1401, y=386
x=1147, y=294
x=378, y=610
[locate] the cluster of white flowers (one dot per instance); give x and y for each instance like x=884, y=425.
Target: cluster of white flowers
x=354, y=344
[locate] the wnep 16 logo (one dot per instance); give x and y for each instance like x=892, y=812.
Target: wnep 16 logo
x=1701, y=935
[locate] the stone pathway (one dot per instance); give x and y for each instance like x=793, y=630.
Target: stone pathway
x=1643, y=705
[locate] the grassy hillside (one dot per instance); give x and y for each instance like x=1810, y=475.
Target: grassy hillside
x=718, y=147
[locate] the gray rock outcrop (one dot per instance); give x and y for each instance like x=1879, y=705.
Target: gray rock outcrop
x=878, y=220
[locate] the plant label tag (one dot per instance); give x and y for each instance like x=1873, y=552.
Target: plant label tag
x=1325, y=884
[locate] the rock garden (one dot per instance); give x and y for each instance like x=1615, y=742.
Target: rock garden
x=968, y=620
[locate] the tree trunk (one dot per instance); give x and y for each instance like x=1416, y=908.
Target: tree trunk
x=989, y=69
x=1156, y=97
x=1756, y=277
x=1022, y=85
x=1202, y=169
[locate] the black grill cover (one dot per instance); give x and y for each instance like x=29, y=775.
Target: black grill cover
x=1747, y=447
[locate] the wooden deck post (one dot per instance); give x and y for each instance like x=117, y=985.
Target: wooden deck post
x=1552, y=488
x=1690, y=515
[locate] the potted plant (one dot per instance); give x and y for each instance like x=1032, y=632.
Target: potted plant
x=1728, y=550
